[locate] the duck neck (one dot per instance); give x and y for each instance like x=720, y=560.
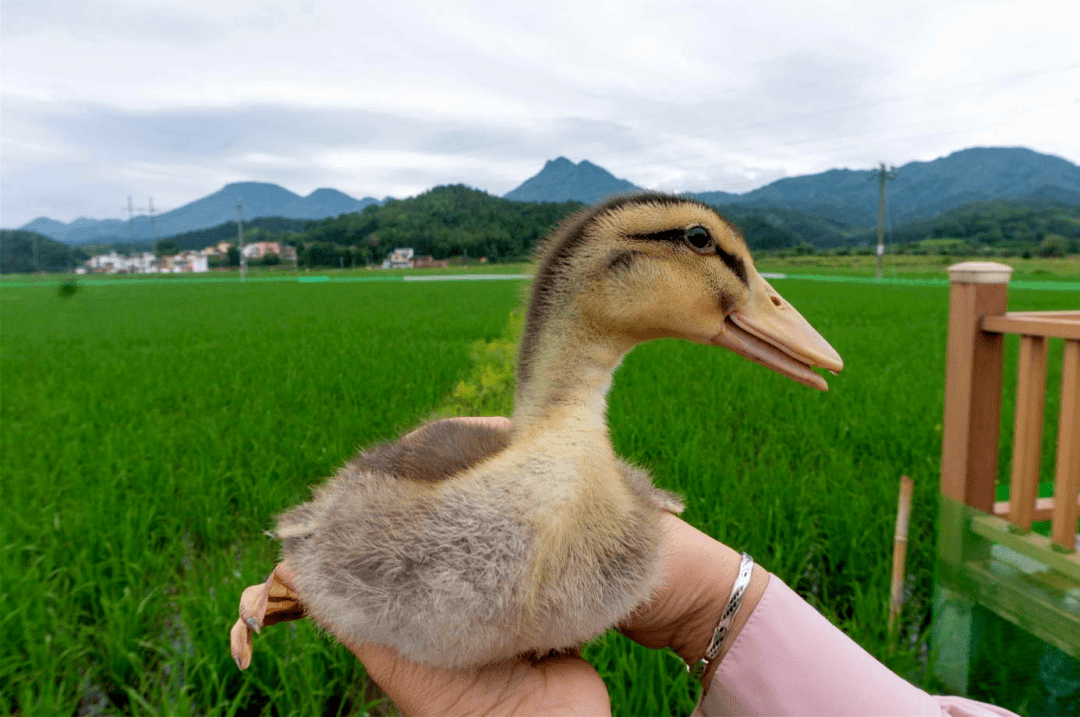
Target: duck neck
x=564, y=379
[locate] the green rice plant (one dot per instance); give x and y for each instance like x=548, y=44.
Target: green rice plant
x=150, y=433
x=804, y=481
x=152, y=430
x=488, y=389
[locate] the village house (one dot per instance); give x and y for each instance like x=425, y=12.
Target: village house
x=428, y=262
x=145, y=263
x=114, y=263
x=259, y=249
x=220, y=249
x=187, y=262
x=401, y=258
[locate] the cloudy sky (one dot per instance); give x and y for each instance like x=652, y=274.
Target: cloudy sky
x=173, y=99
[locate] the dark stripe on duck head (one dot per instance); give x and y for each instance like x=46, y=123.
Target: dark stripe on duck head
x=677, y=236
x=737, y=265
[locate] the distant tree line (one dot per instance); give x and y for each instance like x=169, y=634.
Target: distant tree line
x=457, y=221
x=447, y=221
x=17, y=253
x=1004, y=227
x=265, y=226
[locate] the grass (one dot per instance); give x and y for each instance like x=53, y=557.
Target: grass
x=149, y=437
x=913, y=266
x=805, y=482
x=151, y=433
x=280, y=272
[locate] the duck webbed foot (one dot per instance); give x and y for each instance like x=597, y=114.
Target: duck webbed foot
x=271, y=602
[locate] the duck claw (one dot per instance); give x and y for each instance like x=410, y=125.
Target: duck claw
x=274, y=601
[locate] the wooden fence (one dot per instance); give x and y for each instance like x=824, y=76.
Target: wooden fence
x=989, y=558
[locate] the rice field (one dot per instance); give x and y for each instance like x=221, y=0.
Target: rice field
x=151, y=430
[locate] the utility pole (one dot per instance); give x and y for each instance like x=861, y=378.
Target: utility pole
x=153, y=231
x=131, y=221
x=240, y=237
x=882, y=175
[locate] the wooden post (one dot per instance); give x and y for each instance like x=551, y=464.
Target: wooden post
x=1067, y=477
x=968, y=459
x=1027, y=438
x=973, y=384
x=900, y=539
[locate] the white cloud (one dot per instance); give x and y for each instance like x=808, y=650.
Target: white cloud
x=174, y=98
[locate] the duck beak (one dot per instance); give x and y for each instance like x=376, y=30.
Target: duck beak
x=769, y=331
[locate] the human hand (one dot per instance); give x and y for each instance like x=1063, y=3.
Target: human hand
x=699, y=573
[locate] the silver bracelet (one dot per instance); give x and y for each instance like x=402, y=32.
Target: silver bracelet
x=746, y=569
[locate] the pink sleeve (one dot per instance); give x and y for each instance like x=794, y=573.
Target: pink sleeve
x=789, y=660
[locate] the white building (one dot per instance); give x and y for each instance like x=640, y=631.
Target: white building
x=146, y=263
x=113, y=263
x=259, y=249
x=187, y=262
x=401, y=258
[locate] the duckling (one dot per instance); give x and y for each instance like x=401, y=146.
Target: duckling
x=461, y=544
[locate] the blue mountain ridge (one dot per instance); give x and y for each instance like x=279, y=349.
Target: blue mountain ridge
x=259, y=199
x=921, y=190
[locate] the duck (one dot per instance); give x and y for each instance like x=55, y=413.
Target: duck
x=464, y=543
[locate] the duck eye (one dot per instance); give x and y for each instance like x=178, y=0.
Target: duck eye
x=698, y=237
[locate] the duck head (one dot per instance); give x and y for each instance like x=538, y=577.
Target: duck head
x=651, y=266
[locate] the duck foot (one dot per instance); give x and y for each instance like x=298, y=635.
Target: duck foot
x=273, y=601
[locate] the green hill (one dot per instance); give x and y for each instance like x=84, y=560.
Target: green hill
x=17, y=253
x=227, y=231
x=446, y=221
x=458, y=221
x=1021, y=225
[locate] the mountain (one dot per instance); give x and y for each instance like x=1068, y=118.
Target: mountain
x=259, y=199
x=323, y=203
x=561, y=180
x=921, y=189
x=840, y=197
x=45, y=226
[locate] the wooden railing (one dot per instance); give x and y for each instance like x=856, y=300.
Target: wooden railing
x=977, y=321
x=989, y=558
